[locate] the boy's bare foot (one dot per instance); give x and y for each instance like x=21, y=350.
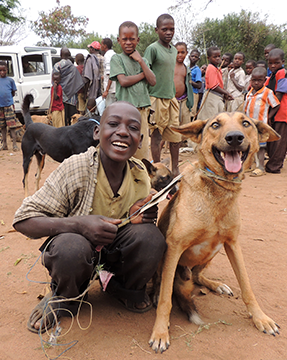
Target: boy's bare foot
x=15, y=148
x=4, y=147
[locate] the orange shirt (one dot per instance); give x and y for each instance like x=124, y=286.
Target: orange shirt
x=213, y=77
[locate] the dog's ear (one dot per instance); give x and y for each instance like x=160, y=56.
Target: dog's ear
x=149, y=166
x=192, y=130
x=265, y=132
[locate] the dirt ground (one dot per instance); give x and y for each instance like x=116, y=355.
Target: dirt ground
x=115, y=333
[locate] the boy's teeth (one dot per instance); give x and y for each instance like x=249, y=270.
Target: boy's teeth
x=120, y=144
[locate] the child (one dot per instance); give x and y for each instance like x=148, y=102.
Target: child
x=132, y=75
x=262, y=63
x=236, y=83
x=215, y=94
x=7, y=113
x=267, y=50
x=162, y=58
x=201, y=90
x=81, y=104
x=57, y=106
x=227, y=60
x=277, y=82
x=260, y=104
x=249, y=66
x=83, y=207
x=195, y=78
x=183, y=84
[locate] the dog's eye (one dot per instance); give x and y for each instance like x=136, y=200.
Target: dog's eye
x=215, y=125
x=245, y=123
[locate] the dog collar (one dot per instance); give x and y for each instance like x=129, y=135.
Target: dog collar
x=96, y=121
x=209, y=173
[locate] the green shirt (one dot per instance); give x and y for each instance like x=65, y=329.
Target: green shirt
x=162, y=62
x=136, y=94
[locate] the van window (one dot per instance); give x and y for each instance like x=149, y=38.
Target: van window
x=34, y=65
x=8, y=61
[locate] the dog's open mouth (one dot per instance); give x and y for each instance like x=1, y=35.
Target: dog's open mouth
x=231, y=160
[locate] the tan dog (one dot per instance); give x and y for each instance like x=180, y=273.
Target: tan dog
x=204, y=215
x=44, y=119
x=75, y=118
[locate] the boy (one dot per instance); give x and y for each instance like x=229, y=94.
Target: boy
x=83, y=206
x=267, y=50
x=162, y=58
x=7, y=113
x=215, y=94
x=195, y=78
x=201, y=90
x=81, y=104
x=260, y=104
x=183, y=84
x=226, y=59
x=277, y=82
x=236, y=83
x=57, y=106
x=249, y=66
x=132, y=75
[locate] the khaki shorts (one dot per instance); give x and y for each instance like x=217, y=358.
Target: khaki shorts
x=236, y=104
x=58, y=118
x=184, y=113
x=81, y=104
x=212, y=105
x=195, y=102
x=143, y=152
x=166, y=114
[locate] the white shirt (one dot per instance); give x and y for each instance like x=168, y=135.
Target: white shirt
x=108, y=55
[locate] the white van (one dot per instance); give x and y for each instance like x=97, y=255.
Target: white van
x=31, y=68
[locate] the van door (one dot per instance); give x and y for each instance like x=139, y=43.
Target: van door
x=35, y=72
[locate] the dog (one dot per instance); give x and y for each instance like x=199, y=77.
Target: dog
x=59, y=143
x=75, y=118
x=204, y=215
x=44, y=119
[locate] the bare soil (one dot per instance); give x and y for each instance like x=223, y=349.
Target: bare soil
x=116, y=333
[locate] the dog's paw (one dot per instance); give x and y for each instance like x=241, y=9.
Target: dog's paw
x=266, y=325
x=159, y=342
x=224, y=289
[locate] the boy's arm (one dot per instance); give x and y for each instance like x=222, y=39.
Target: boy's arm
x=126, y=81
x=149, y=75
x=272, y=112
x=106, y=92
x=225, y=93
x=196, y=84
x=235, y=82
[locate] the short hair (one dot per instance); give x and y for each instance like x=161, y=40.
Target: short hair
x=2, y=63
x=240, y=53
x=65, y=53
x=181, y=43
x=108, y=42
x=260, y=70
x=277, y=52
x=229, y=55
x=252, y=62
x=211, y=50
x=270, y=47
x=195, y=50
x=56, y=74
x=128, y=24
x=79, y=58
x=261, y=62
x=163, y=17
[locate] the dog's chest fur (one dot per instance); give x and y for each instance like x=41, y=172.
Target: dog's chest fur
x=208, y=217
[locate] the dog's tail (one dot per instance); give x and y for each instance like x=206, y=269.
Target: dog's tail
x=28, y=99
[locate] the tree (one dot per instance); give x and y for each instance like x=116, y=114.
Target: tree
x=238, y=32
x=12, y=34
x=6, y=11
x=59, y=26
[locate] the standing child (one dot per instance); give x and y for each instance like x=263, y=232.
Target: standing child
x=236, y=83
x=195, y=78
x=215, y=94
x=183, y=84
x=162, y=58
x=81, y=104
x=260, y=104
x=7, y=113
x=201, y=90
x=57, y=105
x=278, y=84
x=267, y=50
x=227, y=60
x=132, y=75
x=249, y=66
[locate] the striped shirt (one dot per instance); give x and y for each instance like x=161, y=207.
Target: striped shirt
x=257, y=105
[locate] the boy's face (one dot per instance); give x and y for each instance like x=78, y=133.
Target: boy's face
x=203, y=70
x=104, y=47
x=3, y=71
x=128, y=39
x=193, y=57
x=238, y=60
x=215, y=58
x=181, y=53
x=165, y=31
x=257, y=81
x=226, y=61
x=230, y=66
x=275, y=63
x=266, y=53
x=248, y=68
x=56, y=79
x=120, y=132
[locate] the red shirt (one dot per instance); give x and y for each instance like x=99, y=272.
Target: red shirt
x=57, y=105
x=213, y=77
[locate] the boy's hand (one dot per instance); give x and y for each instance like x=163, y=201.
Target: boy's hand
x=105, y=94
x=232, y=75
x=99, y=230
x=148, y=216
x=228, y=97
x=136, y=56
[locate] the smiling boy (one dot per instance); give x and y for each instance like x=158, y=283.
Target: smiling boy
x=132, y=75
x=89, y=196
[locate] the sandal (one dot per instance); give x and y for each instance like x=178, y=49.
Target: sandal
x=142, y=307
x=257, y=172
x=40, y=310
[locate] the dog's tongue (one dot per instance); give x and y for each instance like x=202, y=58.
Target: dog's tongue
x=232, y=161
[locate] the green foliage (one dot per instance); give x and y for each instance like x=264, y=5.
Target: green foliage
x=84, y=41
x=239, y=32
x=147, y=36
x=59, y=26
x=6, y=11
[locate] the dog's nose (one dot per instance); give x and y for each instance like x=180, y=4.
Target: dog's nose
x=234, y=138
